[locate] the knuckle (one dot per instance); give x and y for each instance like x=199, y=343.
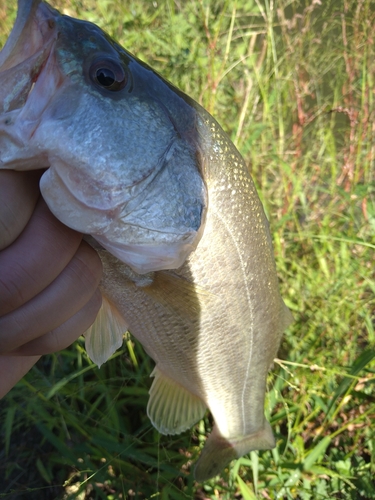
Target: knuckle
x=11, y=294
x=87, y=266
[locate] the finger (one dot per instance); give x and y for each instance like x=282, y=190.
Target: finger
x=35, y=259
x=61, y=300
x=64, y=335
x=19, y=192
x=12, y=369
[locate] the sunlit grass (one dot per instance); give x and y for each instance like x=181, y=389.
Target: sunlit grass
x=292, y=84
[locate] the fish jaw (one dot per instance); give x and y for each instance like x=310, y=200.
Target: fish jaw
x=32, y=31
x=29, y=79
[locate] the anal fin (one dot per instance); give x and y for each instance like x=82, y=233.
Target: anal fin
x=172, y=409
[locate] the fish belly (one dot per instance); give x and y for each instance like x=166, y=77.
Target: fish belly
x=213, y=328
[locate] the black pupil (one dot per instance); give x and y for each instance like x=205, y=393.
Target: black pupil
x=105, y=77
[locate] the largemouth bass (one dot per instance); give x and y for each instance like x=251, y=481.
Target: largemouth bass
x=166, y=199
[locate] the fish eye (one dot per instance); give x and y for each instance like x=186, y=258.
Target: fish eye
x=108, y=74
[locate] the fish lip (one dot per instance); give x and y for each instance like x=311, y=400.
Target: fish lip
x=26, y=51
x=34, y=27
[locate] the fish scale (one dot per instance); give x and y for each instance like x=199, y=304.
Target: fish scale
x=168, y=203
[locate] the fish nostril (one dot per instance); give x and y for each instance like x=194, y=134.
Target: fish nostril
x=51, y=23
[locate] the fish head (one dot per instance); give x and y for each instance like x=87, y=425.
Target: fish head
x=119, y=144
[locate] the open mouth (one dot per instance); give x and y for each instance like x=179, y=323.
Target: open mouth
x=25, y=53
x=28, y=79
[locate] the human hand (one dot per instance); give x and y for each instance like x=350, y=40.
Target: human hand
x=49, y=279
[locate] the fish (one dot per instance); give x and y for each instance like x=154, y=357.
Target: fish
x=166, y=199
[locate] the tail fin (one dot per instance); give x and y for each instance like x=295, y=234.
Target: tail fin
x=218, y=451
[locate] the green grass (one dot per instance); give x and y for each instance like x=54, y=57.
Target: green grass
x=293, y=85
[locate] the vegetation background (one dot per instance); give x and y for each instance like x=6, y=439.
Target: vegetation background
x=292, y=82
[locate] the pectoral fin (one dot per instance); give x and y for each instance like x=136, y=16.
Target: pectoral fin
x=219, y=451
x=172, y=409
x=105, y=335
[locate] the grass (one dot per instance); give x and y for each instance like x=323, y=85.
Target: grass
x=292, y=84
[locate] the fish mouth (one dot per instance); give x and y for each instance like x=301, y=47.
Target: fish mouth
x=26, y=52
x=29, y=77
